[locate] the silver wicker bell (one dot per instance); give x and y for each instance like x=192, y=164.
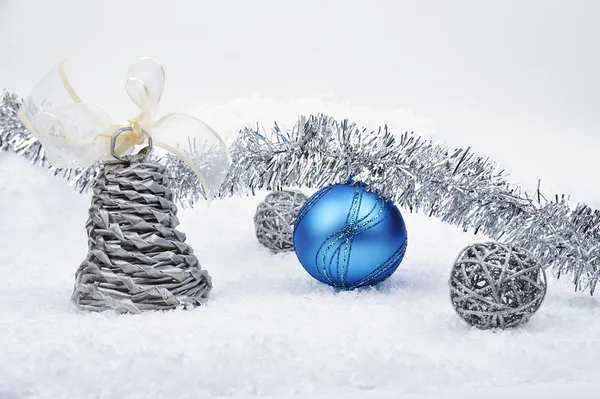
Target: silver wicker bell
x=137, y=260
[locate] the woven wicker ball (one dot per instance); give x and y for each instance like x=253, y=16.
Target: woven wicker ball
x=274, y=219
x=493, y=285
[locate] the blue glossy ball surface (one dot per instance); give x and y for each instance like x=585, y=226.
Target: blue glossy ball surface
x=348, y=237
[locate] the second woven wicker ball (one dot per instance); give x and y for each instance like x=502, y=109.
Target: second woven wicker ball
x=274, y=219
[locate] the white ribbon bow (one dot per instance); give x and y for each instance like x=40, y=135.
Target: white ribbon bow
x=76, y=134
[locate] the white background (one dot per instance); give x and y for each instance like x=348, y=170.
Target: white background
x=516, y=80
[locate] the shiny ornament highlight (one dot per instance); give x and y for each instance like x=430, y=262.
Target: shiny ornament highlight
x=348, y=237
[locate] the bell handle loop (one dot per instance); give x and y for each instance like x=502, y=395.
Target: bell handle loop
x=118, y=132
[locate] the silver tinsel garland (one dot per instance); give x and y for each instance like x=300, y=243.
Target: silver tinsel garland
x=423, y=176
x=449, y=183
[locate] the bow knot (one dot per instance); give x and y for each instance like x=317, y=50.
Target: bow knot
x=76, y=134
x=136, y=131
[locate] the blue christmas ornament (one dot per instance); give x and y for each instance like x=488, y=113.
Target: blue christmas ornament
x=348, y=237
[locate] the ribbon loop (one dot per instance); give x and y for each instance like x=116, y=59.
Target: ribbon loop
x=77, y=134
x=144, y=85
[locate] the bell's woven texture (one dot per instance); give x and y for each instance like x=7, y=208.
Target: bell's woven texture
x=493, y=285
x=137, y=260
x=274, y=219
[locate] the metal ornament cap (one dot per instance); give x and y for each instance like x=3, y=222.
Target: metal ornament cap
x=118, y=132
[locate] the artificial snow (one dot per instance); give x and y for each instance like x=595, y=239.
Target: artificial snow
x=516, y=81
x=269, y=328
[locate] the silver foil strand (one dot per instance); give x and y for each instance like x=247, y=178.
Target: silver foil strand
x=452, y=184
x=13, y=135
